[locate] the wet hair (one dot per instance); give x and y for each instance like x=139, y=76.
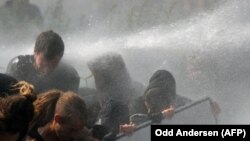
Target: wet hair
x=44, y=112
x=49, y=43
x=161, y=91
x=24, y=88
x=70, y=105
x=15, y=88
x=16, y=111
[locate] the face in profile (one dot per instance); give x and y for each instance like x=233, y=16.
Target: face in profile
x=45, y=66
x=66, y=131
x=157, y=100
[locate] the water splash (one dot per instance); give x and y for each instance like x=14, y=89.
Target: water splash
x=207, y=53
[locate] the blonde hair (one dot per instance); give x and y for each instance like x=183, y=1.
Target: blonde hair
x=45, y=107
x=70, y=106
x=25, y=88
x=17, y=110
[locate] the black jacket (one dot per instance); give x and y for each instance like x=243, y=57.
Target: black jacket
x=165, y=82
x=64, y=77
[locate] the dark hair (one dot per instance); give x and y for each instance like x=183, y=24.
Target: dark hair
x=6, y=83
x=50, y=43
x=17, y=111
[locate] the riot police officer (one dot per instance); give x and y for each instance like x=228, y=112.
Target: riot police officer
x=44, y=69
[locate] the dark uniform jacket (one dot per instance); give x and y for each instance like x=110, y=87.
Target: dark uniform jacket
x=64, y=77
x=164, y=81
x=116, y=89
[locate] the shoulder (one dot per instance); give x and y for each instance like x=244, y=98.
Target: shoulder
x=19, y=62
x=22, y=59
x=67, y=70
x=14, y=60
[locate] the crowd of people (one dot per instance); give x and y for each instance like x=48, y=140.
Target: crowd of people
x=40, y=97
x=19, y=18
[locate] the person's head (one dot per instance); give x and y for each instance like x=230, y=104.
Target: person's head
x=6, y=85
x=108, y=70
x=16, y=112
x=48, y=51
x=70, y=116
x=66, y=112
x=161, y=91
x=10, y=86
